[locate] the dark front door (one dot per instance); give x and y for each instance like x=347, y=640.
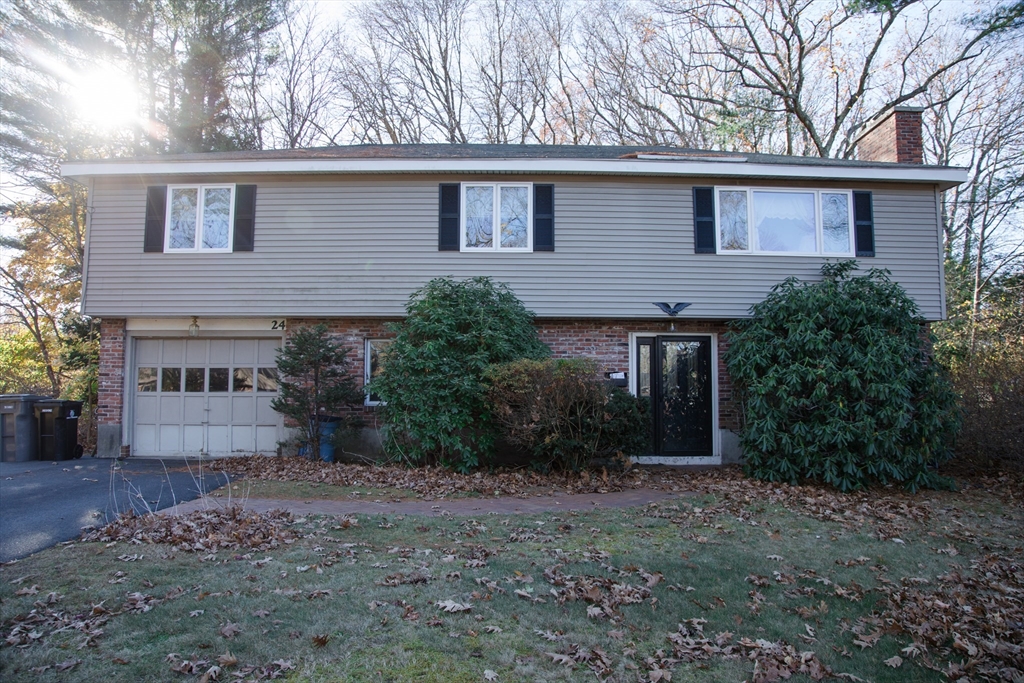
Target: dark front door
x=675, y=372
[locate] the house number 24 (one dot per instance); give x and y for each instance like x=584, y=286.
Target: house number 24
x=277, y=324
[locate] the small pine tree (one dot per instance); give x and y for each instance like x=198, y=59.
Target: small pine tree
x=315, y=382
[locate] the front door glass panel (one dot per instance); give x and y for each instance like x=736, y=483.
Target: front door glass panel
x=674, y=373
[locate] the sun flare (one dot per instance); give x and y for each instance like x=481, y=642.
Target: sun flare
x=105, y=97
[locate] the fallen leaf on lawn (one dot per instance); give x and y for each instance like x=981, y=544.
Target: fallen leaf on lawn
x=227, y=659
x=562, y=659
x=616, y=635
x=212, y=674
x=260, y=613
x=549, y=635
x=30, y=590
x=895, y=662
x=321, y=640
x=196, y=612
x=119, y=660
x=492, y=629
x=68, y=664
x=452, y=606
x=660, y=675
x=490, y=675
x=230, y=630
x=595, y=612
x=775, y=558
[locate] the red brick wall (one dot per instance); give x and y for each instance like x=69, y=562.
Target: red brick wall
x=909, y=146
x=110, y=400
x=607, y=341
x=353, y=333
x=896, y=139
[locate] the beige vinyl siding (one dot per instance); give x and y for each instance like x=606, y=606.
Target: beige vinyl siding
x=329, y=246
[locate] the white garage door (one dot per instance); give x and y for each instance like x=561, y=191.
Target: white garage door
x=205, y=396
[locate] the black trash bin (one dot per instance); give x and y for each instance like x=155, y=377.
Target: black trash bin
x=58, y=429
x=19, y=429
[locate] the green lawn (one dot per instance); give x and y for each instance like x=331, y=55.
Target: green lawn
x=734, y=575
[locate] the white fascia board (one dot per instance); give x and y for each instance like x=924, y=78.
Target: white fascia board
x=944, y=177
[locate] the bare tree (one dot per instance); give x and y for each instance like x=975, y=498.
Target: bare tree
x=382, y=108
x=305, y=89
x=427, y=39
x=511, y=68
x=975, y=118
x=826, y=66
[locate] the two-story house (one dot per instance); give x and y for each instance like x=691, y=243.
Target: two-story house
x=199, y=264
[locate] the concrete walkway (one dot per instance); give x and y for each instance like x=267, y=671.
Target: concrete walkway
x=459, y=507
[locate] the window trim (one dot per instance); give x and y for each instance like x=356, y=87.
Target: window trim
x=367, y=376
x=496, y=214
x=818, y=227
x=200, y=208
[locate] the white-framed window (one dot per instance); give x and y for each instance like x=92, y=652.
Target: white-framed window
x=200, y=218
x=373, y=356
x=784, y=221
x=496, y=217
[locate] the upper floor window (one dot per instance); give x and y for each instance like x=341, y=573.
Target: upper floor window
x=199, y=217
x=752, y=220
x=497, y=216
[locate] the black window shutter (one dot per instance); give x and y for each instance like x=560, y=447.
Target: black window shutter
x=543, y=217
x=864, y=224
x=704, y=220
x=156, y=210
x=245, y=217
x=448, y=219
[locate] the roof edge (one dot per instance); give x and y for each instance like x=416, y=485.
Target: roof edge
x=944, y=176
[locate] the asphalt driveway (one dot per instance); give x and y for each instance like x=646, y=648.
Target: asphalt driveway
x=43, y=502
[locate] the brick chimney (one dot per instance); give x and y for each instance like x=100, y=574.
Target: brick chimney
x=893, y=136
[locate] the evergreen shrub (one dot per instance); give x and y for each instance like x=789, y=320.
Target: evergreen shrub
x=564, y=414
x=837, y=385
x=431, y=382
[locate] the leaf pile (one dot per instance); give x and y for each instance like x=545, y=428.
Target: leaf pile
x=430, y=482
x=604, y=594
x=978, y=618
x=202, y=530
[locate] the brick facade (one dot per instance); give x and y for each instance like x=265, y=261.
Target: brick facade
x=110, y=401
x=110, y=395
x=893, y=138
x=353, y=333
x=606, y=341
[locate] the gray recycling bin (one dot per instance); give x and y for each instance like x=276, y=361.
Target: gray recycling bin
x=19, y=430
x=58, y=428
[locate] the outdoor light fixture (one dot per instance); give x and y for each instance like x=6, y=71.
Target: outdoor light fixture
x=193, y=329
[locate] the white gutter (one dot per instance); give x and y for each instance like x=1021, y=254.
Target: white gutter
x=944, y=177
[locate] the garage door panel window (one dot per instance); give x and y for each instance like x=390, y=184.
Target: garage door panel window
x=147, y=380
x=170, y=380
x=243, y=380
x=219, y=379
x=266, y=379
x=195, y=380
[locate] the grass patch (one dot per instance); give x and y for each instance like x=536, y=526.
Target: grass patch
x=361, y=602
x=303, y=490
